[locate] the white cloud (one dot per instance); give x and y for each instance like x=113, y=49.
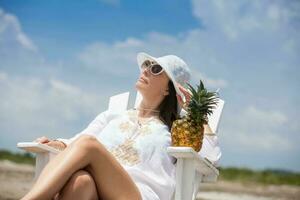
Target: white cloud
x=119, y=58
x=36, y=107
x=10, y=25
x=270, y=118
x=255, y=129
x=214, y=83
x=18, y=53
x=243, y=17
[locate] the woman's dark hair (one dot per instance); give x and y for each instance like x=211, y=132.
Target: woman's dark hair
x=168, y=107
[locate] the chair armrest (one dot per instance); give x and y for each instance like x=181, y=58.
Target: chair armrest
x=191, y=171
x=35, y=147
x=43, y=154
x=202, y=165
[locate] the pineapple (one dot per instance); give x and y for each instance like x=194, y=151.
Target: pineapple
x=189, y=130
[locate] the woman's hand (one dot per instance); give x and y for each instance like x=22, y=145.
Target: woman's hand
x=52, y=143
x=57, y=144
x=187, y=96
x=42, y=140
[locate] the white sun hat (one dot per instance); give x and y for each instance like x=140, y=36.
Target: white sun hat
x=176, y=69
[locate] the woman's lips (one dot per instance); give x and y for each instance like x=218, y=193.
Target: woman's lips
x=144, y=80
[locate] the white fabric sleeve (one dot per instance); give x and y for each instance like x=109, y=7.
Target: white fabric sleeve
x=211, y=149
x=93, y=128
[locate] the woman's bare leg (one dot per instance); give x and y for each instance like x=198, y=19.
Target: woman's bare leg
x=57, y=172
x=81, y=185
x=112, y=181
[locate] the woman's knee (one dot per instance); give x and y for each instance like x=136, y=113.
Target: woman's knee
x=86, y=138
x=80, y=183
x=82, y=179
x=87, y=142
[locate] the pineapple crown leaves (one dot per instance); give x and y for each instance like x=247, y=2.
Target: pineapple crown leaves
x=202, y=103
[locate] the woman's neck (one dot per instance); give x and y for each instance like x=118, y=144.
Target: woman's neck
x=147, y=109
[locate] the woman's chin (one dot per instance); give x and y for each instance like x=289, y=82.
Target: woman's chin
x=138, y=84
x=140, y=87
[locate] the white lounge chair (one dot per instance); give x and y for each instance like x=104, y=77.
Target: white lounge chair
x=191, y=169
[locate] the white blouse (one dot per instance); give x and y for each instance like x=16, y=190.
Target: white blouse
x=141, y=148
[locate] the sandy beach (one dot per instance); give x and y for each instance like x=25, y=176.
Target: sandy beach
x=16, y=179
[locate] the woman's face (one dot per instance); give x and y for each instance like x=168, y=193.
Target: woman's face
x=152, y=86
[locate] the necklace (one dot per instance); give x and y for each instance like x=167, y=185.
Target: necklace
x=136, y=125
x=141, y=121
x=156, y=111
x=138, y=119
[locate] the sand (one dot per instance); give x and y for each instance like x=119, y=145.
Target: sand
x=17, y=179
x=224, y=190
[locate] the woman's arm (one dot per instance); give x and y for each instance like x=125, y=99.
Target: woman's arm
x=53, y=143
x=94, y=128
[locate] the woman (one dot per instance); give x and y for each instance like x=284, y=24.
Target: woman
x=122, y=155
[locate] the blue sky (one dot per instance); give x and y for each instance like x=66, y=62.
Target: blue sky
x=61, y=60
x=77, y=23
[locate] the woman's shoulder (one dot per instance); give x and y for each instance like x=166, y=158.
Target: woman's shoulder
x=109, y=114
x=159, y=127
x=159, y=123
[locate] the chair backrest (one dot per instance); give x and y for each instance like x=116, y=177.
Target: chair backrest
x=214, y=118
x=138, y=99
x=120, y=102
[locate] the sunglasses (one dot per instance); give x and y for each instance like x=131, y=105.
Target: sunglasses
x=154, y=68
